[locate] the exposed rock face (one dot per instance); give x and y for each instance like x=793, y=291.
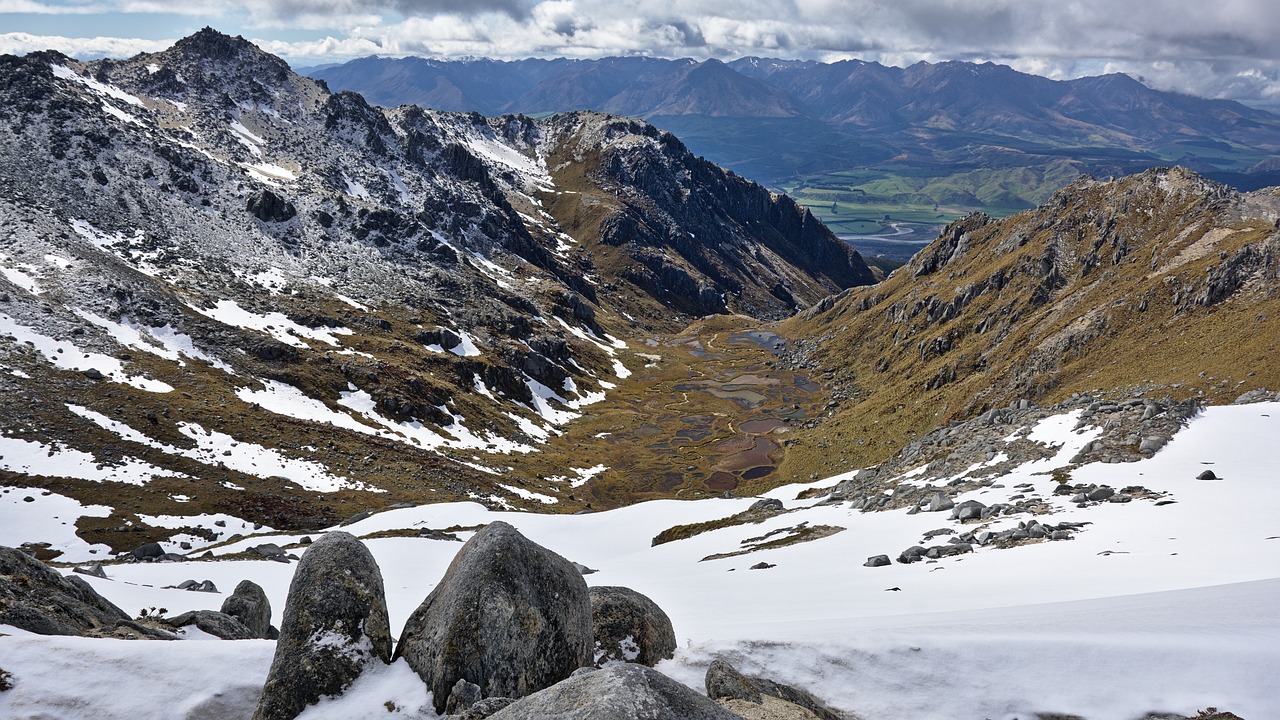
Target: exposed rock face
x=249, y=605
x=629, y=627
x=620, y=692
x=725, y=682
x=215, y=623
x=509, y=615
x=335, y=624
x=38, y=599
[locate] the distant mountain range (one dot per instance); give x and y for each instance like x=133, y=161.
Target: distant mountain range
x=927, y=129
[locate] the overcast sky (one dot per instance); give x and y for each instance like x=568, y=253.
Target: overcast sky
x=1220, y=48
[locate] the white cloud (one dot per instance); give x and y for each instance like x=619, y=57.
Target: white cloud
x=1228, y=50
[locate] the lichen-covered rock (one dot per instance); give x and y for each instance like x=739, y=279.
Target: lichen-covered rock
x=335, y=625
x=725, y=683
x=626, y=691
x=215, y=623
x=39, y=599
x=509, y=615
x=249, y=605
x=629, y=627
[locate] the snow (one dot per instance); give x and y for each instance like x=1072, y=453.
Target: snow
x=466, y=348
x=111, y=91
x=40, y=460
x=529, y=494
x=219, y=449
x=270, y=173
x=68, y=356
x=1185, y=620
x=49, y=517
x=277, y=325
x=162, y=342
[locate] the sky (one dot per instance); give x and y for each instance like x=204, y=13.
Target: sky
x=1223, y=49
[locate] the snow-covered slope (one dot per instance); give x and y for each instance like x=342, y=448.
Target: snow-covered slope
x=1152, y=606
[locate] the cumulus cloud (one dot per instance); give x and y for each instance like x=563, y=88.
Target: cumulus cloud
x=90, y=48
x=1226, y=50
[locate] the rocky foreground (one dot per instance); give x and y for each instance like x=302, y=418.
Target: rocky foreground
x=511, y=631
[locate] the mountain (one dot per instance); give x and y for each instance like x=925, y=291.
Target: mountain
x=856, y=140
x=1157, y=285
x=233, y=288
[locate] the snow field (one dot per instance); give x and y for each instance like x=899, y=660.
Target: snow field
x=1181, y=615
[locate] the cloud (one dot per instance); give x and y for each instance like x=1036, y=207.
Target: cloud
x=92, y=48
x=1226, y=51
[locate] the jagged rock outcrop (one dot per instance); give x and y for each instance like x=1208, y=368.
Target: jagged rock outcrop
x=626, y=691
x=629, y=627
x=36, y=598
x=509, y=616
x=334, y=626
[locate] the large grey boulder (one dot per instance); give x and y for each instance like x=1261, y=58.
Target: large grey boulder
x=626, y=691
x=249, y=604
x=36, y=598
x=215, y=623
x=334, y=626
x=509, y=615
x=629, y=627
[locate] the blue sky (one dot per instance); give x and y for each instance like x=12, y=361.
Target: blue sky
x=1224, y=49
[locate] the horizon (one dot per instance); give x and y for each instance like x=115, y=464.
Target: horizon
x=1170, y=45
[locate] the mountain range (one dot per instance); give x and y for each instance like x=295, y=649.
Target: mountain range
x=929, y=134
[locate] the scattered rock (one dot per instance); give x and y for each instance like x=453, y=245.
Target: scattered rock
x=213, y=622
x=509, y=615
x=629, y=627
x=195, y=586
x=1207, y=475
x=270, y=551
x=249, y=604
x=626, y=691
x=762, y=566
x=148, y=552
x=335, y=624
x=877, y=561
x=95, y=570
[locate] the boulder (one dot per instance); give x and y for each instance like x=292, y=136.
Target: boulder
x=877, y=561
x=249, y=604
x=213, y=622
x=629, y=627
x=36, y=598
x=626, y=691
x=334, y=626
x=724, y=682
x=1207, y=475
x=509, y=615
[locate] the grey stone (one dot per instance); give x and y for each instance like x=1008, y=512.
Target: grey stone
x=38, y=599
x=939, y=502
x=213, y=622
x=147, y=552
x=1207, y=475
x=629, y=627
x=484, y=708
x=769, y=505
x=249, y=604
x=877, y=561
x=723, y=681
x=1151, y=444
x=95, y=570
x=462, y=697
x=335, y=624
x=509, y=615
x=1100, y=494
x=626, y=691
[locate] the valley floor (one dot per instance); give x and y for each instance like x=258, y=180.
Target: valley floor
x=1167, y=607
